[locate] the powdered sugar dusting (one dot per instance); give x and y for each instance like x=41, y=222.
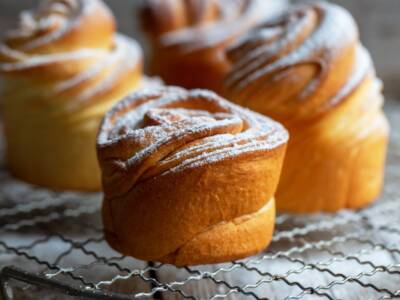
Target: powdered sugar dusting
x=232, y=18
x=24, y=62
x=312, y=33
x=362, y=66
x=98, y=69
x=125, y=55
x=171, y=129
x=51, y=21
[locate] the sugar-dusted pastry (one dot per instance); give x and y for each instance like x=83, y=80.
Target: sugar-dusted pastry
x=188, y=177
x=62, y=69
x=308, y=70
x=188, y=38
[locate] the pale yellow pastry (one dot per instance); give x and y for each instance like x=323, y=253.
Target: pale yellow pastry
x=62, y=69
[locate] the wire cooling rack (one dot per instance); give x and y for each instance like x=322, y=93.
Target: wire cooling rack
x=52, y=247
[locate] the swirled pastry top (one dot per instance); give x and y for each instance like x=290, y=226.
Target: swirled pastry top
x=156, y=132
x=194, y=25
x=302, y=63
x=71, y=47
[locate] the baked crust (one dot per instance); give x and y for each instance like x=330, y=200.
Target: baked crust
x=188, y=177
x=63, y=68
x=308, y=70
x=188, y=39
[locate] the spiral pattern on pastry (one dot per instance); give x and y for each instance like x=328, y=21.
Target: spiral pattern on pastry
x=308, y=70
x=313, y=50
x=70, y=45
x=182, y=169
x=63, y=68
x=189, y=37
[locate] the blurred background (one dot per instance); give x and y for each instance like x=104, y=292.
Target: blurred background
x=378, y=20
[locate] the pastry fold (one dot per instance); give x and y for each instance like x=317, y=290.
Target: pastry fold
x=63, y=68
x=308, y=70
x=188, y=177
x=188, y=39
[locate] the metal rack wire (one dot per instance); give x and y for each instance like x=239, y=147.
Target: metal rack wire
x=51, y=247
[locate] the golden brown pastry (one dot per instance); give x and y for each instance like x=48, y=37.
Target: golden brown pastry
x=62, y=69
x=188, y=177
x=189, y=37
x=308, y=70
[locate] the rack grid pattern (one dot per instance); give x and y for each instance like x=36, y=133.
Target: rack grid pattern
x=52, y=247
